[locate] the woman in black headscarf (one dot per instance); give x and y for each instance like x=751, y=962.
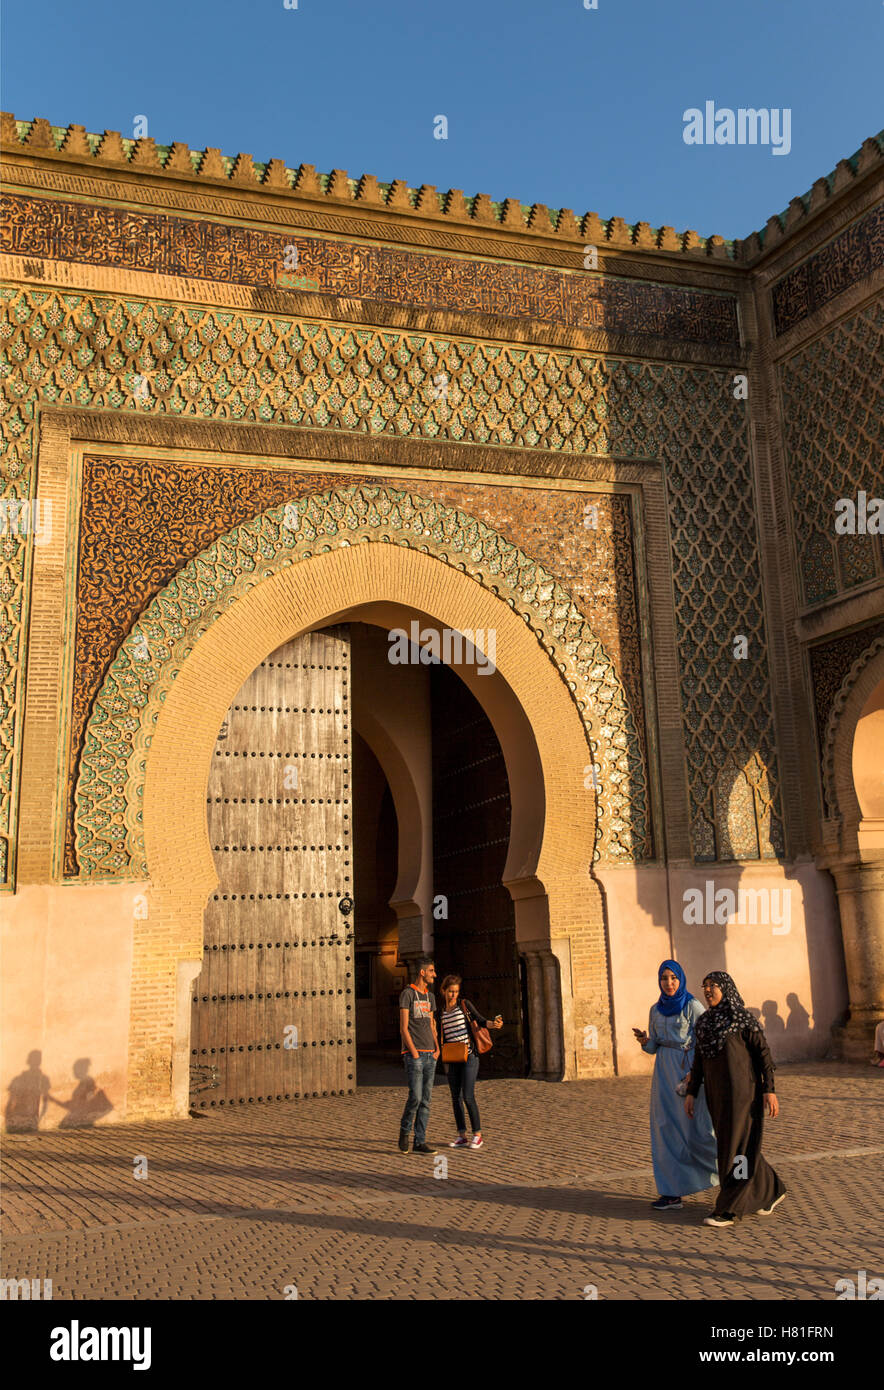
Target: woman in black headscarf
x=732, y=1060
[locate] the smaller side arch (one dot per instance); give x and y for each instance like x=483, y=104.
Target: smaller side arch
x=868, y=763
x=854, y=841
x=839, y=753
x=407, y=894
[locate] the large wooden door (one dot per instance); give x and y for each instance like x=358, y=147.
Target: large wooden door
x=272, y=1012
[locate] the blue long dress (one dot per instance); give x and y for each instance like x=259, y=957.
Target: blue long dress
x=684, y=1151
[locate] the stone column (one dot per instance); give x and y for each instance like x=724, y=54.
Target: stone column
x=552, y=1001
x=860, y=888
x=536, y=1031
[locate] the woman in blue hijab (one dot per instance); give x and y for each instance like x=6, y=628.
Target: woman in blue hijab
x=684, y=1151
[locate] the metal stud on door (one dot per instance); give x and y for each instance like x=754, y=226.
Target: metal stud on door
x=273, y=1006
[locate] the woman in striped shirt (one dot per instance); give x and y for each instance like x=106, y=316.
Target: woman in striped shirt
x=455, y=1029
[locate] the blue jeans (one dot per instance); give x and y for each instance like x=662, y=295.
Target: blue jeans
x=462, y=1081
x=421, y=1072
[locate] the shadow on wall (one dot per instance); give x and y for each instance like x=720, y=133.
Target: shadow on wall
x=774, y=928
x=787, y=1036
x=30, y=1098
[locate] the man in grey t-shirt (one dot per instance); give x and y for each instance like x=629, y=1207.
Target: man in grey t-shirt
x=420, y=1052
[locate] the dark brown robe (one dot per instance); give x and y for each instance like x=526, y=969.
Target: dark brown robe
x=736, y=1080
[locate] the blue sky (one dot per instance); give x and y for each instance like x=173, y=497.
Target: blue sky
x=546, y=101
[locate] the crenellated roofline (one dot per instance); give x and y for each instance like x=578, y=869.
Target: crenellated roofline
x=114, y=151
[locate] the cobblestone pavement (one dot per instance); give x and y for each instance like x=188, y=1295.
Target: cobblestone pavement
x=315, y=1195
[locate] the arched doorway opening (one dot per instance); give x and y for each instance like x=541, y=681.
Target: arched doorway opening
x=457, y=837
x=303, y=960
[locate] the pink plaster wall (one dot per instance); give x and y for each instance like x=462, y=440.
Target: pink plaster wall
x=66, y=965
x=794, y=979
x=638, y=936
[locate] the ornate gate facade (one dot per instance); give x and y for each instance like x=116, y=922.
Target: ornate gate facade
x=272, y=1011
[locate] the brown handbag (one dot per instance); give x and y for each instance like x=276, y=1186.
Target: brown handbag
x=481, y=1035
x=453, y=1051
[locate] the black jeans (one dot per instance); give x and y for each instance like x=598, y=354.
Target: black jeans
x=462, y=1080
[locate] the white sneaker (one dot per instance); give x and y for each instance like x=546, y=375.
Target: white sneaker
x=766, y=1211
x=476, y=1141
